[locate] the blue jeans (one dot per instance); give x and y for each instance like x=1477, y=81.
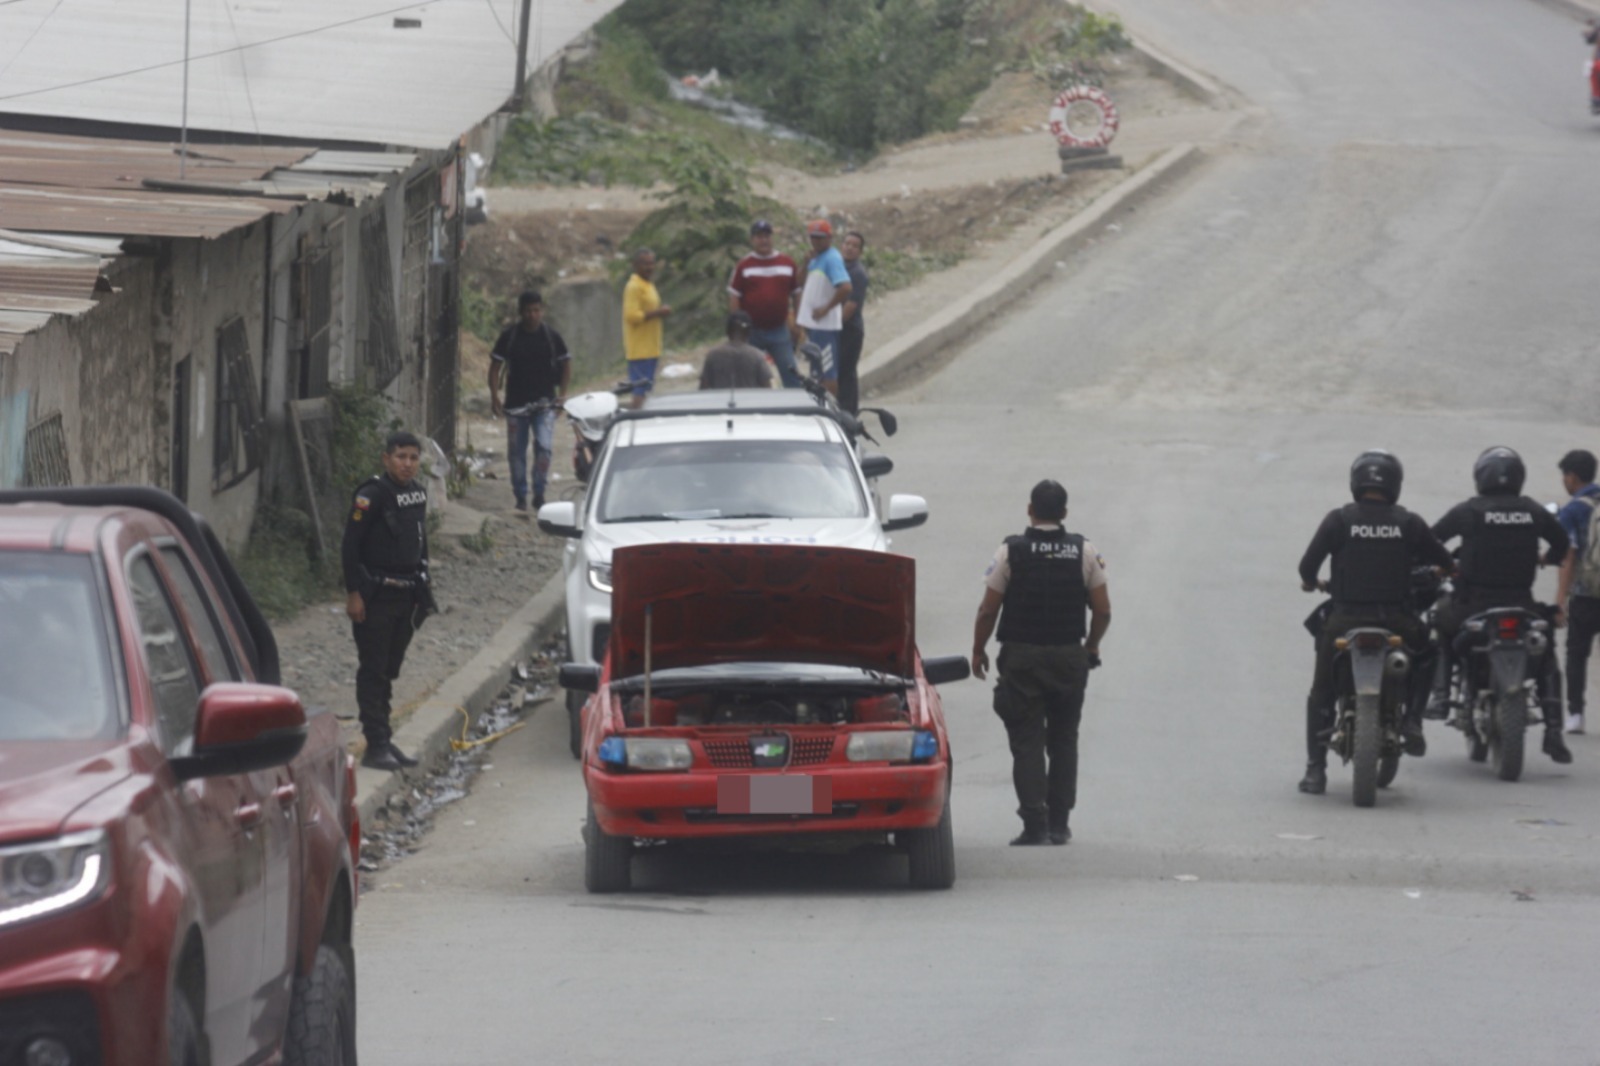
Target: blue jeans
x=543, y=427
x=777, y=343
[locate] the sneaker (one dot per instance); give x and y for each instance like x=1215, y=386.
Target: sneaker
x=1555, y=747
x=1030, y=836
x=522, y=505
x=1315, y=783
x=538, y=501
x=1575, y=724
x=401, y=757
x=380, y=759
x=1060, y=835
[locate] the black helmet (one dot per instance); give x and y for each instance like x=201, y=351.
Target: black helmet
x=1379, y=470
x=1499, y=472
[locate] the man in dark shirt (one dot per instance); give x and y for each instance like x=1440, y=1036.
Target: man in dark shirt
x=533, y=360
x=853, y=334
x=385, y=559
x=736, y=364
x=1373, y=543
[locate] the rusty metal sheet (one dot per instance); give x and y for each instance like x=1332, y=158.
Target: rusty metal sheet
x=129, y=214
x=66, y=279
x=52, y=305
x=112, y=163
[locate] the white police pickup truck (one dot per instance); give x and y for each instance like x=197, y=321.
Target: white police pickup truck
x=747, y=466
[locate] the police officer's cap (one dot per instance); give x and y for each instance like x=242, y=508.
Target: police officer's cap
x=1499, y=471
x=1376, y=470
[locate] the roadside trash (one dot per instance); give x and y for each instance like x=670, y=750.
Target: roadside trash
x=677, y=370
x=1523, y=895
x=1413, y=893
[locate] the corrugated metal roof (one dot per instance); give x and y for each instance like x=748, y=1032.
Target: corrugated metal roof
x=287, y=68
x=130, y=214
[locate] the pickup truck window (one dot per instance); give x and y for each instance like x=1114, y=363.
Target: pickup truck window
x=55, y=668
x=213, y=644
x=697, y=480
x=166, y=658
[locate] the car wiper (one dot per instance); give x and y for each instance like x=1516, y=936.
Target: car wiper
x=644, y=518
x=751, y=514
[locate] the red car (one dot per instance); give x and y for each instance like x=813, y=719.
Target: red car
x=759, y=691
x=177, y=841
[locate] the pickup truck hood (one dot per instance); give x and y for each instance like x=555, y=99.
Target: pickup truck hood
x=720, y=603
x=43, y=782
x=844, y=532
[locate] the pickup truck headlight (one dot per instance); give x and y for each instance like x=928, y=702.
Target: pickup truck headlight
x=646, y=753
x=600, y=576
x=54, y=875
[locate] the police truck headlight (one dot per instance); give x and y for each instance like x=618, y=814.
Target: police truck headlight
x=52, y=876
x=600, y=576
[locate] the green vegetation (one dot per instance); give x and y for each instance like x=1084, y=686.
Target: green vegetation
x=481, y=542
x=481, y=314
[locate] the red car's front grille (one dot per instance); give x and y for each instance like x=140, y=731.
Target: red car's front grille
x=733, y=753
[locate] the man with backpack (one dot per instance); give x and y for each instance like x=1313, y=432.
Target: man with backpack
x=1579, y=586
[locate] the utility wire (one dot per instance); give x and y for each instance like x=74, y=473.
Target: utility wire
x=244, y=73
x=509, y=36
x=18, y=55
x=213, y=55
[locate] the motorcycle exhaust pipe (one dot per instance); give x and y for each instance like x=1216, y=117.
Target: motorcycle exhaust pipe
x=1538, y=643
x=1397, y=663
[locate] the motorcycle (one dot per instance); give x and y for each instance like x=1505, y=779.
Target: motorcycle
x=590, y=415
x=1372, y=671
x=1505, y=680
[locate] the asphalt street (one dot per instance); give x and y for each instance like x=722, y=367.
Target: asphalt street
x=1395, y=253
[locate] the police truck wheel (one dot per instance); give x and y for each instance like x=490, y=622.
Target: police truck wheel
x=607, y=860
x=575, y=701
x=933, y=853
x=1364, y=752
x=322, y=1015
x=1511, y=727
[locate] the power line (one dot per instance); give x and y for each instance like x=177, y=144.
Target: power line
x=53, y=9
x=213, y=55
x=509, y=36
x=244, y=72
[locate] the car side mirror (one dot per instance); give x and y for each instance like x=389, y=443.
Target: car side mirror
x=560, y=519
x=241, y=728
x=906, y=512
x=580, y=677
x=890, y=424
x=946, y=668
x=876, y=465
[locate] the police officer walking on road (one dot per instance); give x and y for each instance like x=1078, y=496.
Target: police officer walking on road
x=1374, y=543
x=385, y=557
x=1500, y=530
x=1039, y=587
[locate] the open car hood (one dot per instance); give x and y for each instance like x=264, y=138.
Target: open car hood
x=721, y=603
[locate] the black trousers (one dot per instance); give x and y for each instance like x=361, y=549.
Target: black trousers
x=381, y=643
x=850, y=343
x=1345, y=617
x=1583, y=625
x=1039, y=697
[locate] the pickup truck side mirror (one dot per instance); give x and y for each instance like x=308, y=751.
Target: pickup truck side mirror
x=946, y=668
x=241, y=728
x=560, y=519
x=905, y=512
x=876, y=465
x=580, y=677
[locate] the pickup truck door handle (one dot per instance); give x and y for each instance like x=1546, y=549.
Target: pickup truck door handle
x=248, y=815
x=285, y=794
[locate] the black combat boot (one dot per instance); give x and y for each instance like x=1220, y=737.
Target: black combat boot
x=380, y=757
x=401, y=757
x=1315, y=782
x=1554, y=746
x=1411, y=738
x=1033, y=832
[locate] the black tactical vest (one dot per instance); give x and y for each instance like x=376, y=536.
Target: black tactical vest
x=1501, y=549
x=1373, y=563
x=1046, y=597
x=399, y=516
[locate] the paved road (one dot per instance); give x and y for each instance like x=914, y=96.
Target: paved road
x=1399, y=257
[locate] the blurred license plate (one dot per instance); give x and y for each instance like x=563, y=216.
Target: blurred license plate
x=775, y=794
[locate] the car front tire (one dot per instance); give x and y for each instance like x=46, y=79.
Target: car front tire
x=933, y=853
x=607, y=860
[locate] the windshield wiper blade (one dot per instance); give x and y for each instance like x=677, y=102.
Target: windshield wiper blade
x=645, y=518
x=751, y=514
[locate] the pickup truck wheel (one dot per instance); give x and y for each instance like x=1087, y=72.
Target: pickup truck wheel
x=322, y=1017
x=183, y=1038
x=607, y=860
x=933, y=853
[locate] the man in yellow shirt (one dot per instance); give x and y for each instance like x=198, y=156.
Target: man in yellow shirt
x=642, y=312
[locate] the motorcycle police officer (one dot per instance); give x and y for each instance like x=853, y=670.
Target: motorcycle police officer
x=1374, y=543
x=1039, y=586
x=385, y=559
x=1500, y=530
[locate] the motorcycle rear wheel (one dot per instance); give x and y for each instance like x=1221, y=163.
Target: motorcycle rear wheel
x=1511, y=726
x=1364, y=759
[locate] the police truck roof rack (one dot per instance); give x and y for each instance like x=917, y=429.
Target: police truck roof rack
x=741, y=402
x=251, y=624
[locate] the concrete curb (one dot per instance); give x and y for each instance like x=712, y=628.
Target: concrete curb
x=426, y=734
x=925, y=346
x=1578, y=9
x=1180, y=74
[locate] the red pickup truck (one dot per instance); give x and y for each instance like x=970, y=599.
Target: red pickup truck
x=177, y=840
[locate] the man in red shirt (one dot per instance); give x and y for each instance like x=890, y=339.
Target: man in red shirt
x=766, y=286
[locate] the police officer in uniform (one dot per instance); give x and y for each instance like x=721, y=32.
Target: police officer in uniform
x=1039, y=587
x=1374, y=543
x=1500, y=531
x=385, y=557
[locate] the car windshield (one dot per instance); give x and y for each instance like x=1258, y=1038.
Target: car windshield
x=699, y=480
x=55, y=670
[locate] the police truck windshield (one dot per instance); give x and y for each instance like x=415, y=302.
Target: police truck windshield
x=55, y=676
x=699, y=480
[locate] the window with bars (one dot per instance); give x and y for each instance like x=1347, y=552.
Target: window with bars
x=44, y=454
x=237, y=438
